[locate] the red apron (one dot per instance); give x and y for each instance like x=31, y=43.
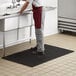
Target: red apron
x=37, y=15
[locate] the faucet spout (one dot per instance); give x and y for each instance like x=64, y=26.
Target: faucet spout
x=13, y=2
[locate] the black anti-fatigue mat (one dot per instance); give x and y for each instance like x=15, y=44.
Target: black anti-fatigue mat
x=27, y=58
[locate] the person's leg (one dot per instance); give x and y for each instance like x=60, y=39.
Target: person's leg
x=39, y=40
x=40, y=34
x=39, y=28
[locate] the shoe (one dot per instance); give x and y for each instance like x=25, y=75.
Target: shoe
x=35, y=52
x=34, y=48
x=40, y=53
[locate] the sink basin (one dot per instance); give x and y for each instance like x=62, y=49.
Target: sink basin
x=16, y=10
x=9, y=11
x=4, y=10
x=13, y=10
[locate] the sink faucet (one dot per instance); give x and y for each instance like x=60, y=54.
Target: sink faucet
x=14, y=2
x=18, y=1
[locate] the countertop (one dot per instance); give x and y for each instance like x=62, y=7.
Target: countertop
x=28, y=11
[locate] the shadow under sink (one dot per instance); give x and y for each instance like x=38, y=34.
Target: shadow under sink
x=6, y=14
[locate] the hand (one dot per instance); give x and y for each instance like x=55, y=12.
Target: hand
x=20, y=12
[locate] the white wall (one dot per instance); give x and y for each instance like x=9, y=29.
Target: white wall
x=50, y=26
x=49, y=2
x=50, y=23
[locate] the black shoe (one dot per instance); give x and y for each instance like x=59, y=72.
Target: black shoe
x=34, y=48
x=35, y=52
x=40, y=53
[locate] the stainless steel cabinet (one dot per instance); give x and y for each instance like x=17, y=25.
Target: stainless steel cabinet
x=7, y=24
x=67, y=15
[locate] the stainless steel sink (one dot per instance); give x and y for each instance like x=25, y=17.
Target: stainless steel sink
x=8, y=12
x=4, y=10
x=13, y=10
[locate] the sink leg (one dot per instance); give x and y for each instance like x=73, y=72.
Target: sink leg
x=3, y=44
x=30, y=32
x=18, y=28
x=31, y=27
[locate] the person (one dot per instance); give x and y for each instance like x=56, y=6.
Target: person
x=38, y=16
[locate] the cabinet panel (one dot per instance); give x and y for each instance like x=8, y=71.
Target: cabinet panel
x=10, y=36
x=24, y=33
x=11, y=23
x=23, y=21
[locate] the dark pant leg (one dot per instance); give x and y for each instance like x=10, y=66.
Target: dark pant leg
x=37, y=14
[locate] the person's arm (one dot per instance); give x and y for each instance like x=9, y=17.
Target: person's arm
x=24, y=6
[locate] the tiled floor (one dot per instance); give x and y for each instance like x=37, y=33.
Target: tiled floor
x=62, y=66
